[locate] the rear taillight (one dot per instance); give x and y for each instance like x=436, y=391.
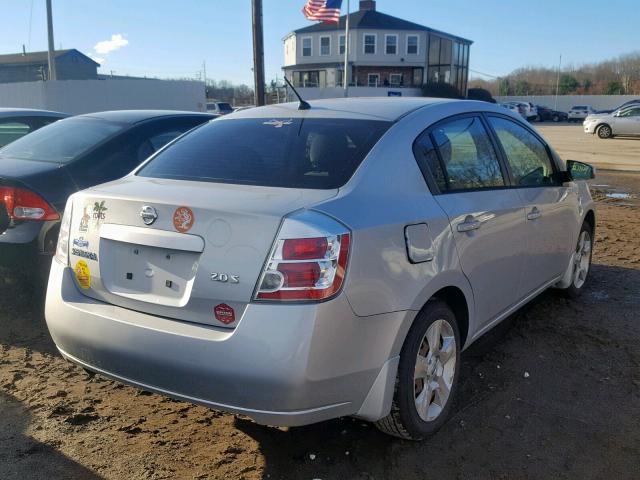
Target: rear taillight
x=62, y=249
x=23, y=204
x=306, y=268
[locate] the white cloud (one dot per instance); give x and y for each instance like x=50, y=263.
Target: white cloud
x=107, y=46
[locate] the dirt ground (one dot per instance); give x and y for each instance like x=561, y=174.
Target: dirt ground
x=552, y=393
x=569, y=139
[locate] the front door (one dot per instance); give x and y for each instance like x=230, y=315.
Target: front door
x=486, y=217
x=551, y=208
x=627, y=122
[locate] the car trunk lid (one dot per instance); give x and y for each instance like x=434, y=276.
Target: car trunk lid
x=180, y=249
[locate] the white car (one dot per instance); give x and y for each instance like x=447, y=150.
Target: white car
x=580, y=112
x=624, y=121
x=527, y=110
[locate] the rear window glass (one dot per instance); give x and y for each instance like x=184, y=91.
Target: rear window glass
x=62, y=141
x=225, y=107
x=283, y=152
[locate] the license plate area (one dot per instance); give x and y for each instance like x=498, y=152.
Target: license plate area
x=157, y=275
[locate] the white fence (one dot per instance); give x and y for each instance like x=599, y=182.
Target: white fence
x=565, y=102
x=85, y=96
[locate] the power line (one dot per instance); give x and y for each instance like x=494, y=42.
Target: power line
x=482, y=73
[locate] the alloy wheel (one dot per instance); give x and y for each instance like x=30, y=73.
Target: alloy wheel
x=434, y=370
x=582, y=259
x=604, y=131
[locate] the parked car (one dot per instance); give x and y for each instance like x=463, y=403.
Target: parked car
x=527, y=109
x=580, y=112
x=38, y=172
x=546, y=114
x=625, y=121
x=296, y=265
x=219, y=108
x=514, y=108
x=17, y=122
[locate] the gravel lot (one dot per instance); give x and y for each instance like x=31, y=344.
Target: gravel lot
x=552, y=393
x=569, y=139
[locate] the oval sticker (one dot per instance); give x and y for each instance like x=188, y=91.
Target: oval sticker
x=83, y=274
x=183, y=219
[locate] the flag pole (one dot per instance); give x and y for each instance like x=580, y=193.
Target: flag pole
x=345, y=74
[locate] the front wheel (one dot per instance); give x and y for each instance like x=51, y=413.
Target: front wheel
x=555, y=119
x=427, y=375
x=604, y=131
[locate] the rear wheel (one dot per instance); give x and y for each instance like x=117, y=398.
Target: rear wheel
x=581, y=261
x=427, y=375
x=604, y=131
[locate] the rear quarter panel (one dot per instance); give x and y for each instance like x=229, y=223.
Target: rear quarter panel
x=387, y=193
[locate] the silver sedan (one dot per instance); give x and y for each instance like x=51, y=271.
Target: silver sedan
x=624, y=121
x=296, y=264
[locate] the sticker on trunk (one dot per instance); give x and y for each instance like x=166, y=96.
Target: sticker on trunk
x=99, y=212
x=83, y=274
x=224, y=313
x=183, y=219
x=84, y=221
x=84, y=254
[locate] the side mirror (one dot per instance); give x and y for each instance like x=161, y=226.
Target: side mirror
x=580, y=170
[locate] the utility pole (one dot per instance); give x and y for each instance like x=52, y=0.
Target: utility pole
x=51, y=56
x=558, y=83
x=258, y=52
x=204, y=69
x=345, y=74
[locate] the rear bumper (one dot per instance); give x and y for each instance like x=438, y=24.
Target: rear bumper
x=281, y=365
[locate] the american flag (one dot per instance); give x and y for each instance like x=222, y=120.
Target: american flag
x=323, y=10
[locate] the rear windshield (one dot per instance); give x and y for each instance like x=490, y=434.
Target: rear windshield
x=62, y=141
x=280, y=152
x=580, y=107
x=225, y=107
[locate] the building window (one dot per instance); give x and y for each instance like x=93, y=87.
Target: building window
x=370, y=44
x=395, y=79
x=307, y=48
x=311, y=78
x=325, y=46
x=391, y=44
x=412, y=45
x=342, y=44
x=373, y=80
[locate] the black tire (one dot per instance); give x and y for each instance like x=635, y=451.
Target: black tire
x=573, y=290
x=404, y=421
x=555, y=119
x=604, y=131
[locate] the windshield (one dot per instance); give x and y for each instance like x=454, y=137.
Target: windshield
x=225, y=107
x=62, y=141
x=296, y=153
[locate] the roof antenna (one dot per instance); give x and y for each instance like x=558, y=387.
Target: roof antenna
x=303, y=105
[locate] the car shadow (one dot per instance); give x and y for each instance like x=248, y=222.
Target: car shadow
x=498, y=412
x=22, y=456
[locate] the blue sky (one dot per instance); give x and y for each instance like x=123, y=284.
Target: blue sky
x=172, y=38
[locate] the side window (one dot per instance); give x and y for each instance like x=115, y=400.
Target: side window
x=527, y=156
x=466, y=159
x=161, y=139
x=632, y=112
x=12, y=130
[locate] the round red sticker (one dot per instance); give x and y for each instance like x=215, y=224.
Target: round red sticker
x=183, y=219
x=224, y=313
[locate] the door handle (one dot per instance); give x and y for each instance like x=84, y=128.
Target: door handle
x=534, y=214
x=469, y=224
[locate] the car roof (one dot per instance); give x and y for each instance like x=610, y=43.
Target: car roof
x=371, y=108
x=30, y=112
x=136, y=116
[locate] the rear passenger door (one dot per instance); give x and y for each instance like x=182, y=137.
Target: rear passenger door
x=551, y=208
x=486, y=216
